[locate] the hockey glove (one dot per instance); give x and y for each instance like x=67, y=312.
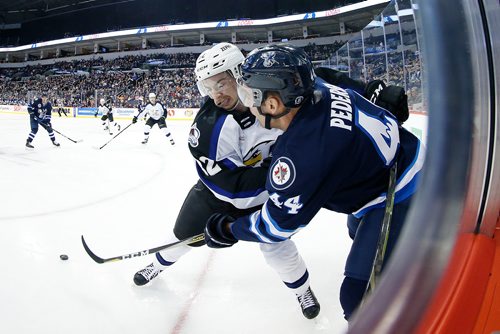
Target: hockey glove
x=217, y=234
x=104, y=117
x=95, y=115
x=134, y=120
x=392, y=98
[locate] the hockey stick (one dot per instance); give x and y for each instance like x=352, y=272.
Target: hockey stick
x=45, y=127
x=384, y=232
x=125, y=128
x=74, y=141
x=188, y=241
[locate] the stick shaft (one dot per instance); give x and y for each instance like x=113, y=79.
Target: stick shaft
x=188, y=241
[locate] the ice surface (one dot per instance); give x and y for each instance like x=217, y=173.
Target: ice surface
x=125, y=198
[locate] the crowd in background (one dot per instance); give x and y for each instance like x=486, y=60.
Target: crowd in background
x=127, y=80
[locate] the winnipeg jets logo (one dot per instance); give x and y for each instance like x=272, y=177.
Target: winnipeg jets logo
x=269, y=60
x=282, y=173
x=194, y=135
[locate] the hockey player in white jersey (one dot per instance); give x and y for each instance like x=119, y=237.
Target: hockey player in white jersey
x=107, y=117
x=231, y=150
x=157, y=115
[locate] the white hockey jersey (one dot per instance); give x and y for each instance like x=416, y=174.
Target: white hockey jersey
x=154, y=111
x=229, y=148
x=105, y=109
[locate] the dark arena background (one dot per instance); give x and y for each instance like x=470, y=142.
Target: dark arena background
x=444, y=274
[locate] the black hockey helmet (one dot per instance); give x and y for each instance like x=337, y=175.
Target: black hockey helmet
x=280, y=68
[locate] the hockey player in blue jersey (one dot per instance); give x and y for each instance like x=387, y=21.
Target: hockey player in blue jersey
x=40, y=112
x=231, y=150
x=337, y=152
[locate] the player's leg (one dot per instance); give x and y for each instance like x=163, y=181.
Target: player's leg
x=116, y=126
x=163, y=127
x=104, y=119
x=198, y=206
x=360, y=259
x=32, y=134
x=52, y=136
x=112, y=125
x=147, y=128
x=285, y=259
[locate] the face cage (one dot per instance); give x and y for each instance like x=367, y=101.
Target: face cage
x=249, y=97
x=204, y=91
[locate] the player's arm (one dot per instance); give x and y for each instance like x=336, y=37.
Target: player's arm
x=244, y=187
x=138, y=113
x=281, y=216
x=392, y=98
x=220, y=167
x=165, y=113
x=48, y=114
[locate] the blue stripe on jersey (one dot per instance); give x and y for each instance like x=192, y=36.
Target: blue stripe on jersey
x=214, y=140
x=256, y=228
x=272, y=229
x=229, y=164
x=225, y=193
x=298, y=283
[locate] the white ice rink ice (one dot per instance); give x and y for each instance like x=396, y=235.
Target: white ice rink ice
x=124, y=198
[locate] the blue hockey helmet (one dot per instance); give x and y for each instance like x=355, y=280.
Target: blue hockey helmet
x=279, y=68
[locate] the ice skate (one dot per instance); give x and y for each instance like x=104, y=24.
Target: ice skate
x=55, y=143
x=309, y=304
x=172, y=142
x=145, y=275
x=28, y=145
x=119, y=127
x=145, y=141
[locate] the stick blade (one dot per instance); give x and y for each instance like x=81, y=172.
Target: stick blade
x=90, y=253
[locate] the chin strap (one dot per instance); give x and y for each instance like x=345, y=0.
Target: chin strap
x=268, y=118
x=236, y=105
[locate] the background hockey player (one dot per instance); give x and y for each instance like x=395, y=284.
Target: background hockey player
x=60, y=108
x=231, y=151
x=337, y=152
x=40, y=112
x=107, y=118
x=157, y=115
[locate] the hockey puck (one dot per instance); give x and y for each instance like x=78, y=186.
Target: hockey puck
x=63, y=257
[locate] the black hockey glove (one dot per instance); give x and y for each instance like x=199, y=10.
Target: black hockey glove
x=104, y=117
x=216, y=234
x=134, y=120
x=392, y=98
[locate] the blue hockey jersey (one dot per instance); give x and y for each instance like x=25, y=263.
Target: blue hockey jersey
x=336, y=154
x=42, y=111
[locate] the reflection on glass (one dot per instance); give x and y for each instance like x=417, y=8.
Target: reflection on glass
x=387, y=49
